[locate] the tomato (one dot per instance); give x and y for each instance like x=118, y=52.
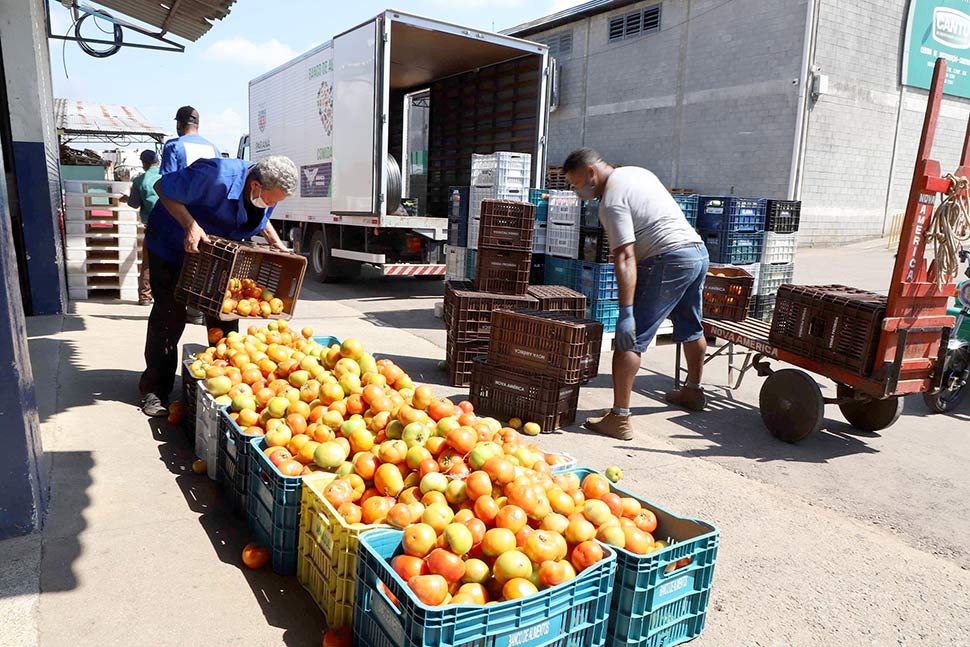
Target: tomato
x=477, y=528
x=255, y=556
x=429, y=589
x=388, y=480
x=585, y=555
x=466, y=406
x=439, y=409
x=375, y=509
x=438, y=516
x=467, y=419
x=486, y=509
x=522, y=495
x=499, y=470
x=518, y=588
x=552, y=573
x=614, y=502
x=637, y=541
x=399, y=516
x=646, y=520
x=350, y=512
x=338, y=492
x=579, y=530
x=475, y=590
x=543, y=545
x=497, y=541
x=408, y=566
x=340, y=637
x=291, y=468
x=631, y=507
x=595, y=486
x=511, y=517
x=478, y=484
x=446, y=564
x=511, y=564
x=462, y=439
x=419, y=539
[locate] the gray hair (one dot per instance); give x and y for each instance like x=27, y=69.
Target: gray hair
x=579, y=159
x=276, y=172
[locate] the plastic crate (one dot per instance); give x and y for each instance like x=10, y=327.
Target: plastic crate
x=540, y=198
x=548, y=343
x=565, y=208
x=590, y=213
x=507, y=225
x=503, y=272
x=235, y=451
x=606, y=312
x=561, y=271
x=734, y=248
x=506, y=393
x=190, y=395
x=773, y=276
x=539, y=238
x=688, y=204
x=556, y=179
x=834, y=324
x=205, y=276
x=651, y=607
x=594, y=245
x=557, y=298
x=728, y=215
x=328, y=545
x=762, y=307
x=597, y=281
x=455, y=259
x=503, y=169
x=459, y=356
x=476, y=196
x=471, y=264
x=458, y=216
x=779, y=248
x=273, y=509
x=207, y=430
x=537, y=268
x=574, y=613
x=562, y=240
x=565, y=466
x=754, y=269
x=783, y=216
x=594, y=348
x=727, y=293
x=468, y=313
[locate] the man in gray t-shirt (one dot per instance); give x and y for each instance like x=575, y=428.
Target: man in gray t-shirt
x=660, y=264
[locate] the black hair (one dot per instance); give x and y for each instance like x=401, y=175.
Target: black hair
x=580, y=159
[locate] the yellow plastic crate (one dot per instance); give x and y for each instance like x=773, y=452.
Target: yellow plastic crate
x=327, y=560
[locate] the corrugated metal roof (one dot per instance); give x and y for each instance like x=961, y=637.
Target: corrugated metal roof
x=85, y=117
x=188, y=19
x=565, y=16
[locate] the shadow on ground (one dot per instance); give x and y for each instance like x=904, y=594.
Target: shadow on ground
x=284, y=602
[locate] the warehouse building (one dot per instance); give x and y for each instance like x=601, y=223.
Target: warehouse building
x=808, y=99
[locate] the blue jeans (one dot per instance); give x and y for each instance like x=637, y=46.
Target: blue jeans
x=670, y=285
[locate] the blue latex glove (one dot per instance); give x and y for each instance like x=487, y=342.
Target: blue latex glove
x=626, y=330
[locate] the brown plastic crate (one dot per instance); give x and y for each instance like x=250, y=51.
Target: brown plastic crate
x=594, y=348
x=509, y=393
x=468, y=313
x=459, y=356
x=834, y=324
x=550, y=344
x=727, y=297
x=507, y=225
x=503, y=272
x=557, y=298
x=205, y=276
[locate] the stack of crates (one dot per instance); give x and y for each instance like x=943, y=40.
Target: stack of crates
x=500, y=176
x=103, y=238
x=688, y=204
x=456, y=251
x=505, y=247
x=733, y=229
x=562, y=231
x=539, y=198
x=778, y=260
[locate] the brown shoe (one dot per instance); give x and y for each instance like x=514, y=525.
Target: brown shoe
x=611, y=425
x=688, y=398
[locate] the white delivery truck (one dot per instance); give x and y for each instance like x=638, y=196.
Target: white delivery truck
x=397, y=91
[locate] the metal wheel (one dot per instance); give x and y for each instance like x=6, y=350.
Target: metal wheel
x=323, y=266
x=791, y=405
x=949, y=397
x=868, y=415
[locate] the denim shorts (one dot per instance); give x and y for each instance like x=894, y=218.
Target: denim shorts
x=670, y=285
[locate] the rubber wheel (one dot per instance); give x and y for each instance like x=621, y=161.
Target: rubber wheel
x=323, y=266
x=869, y=415
x=791, y=405
x=947, y=400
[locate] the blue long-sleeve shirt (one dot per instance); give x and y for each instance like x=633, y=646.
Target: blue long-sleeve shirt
x=183, y=151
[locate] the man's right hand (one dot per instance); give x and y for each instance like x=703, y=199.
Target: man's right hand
x=626, y=330
x=193, y=236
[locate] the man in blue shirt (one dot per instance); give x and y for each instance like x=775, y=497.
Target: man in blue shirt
x=189, y=145
x=230, y=198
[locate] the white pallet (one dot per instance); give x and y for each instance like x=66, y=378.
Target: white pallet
x=83, y=294
x=102, y=241
x=103, y=280
x=94, y=200
x=779, y=248
x=456, y=259
x=505, y=169
x=95, y=186
x=539, y=237
x=86, y=254
x=99, y=227
x=107, y=213
x=562, y=240
x=207, y=429
x=565, y=208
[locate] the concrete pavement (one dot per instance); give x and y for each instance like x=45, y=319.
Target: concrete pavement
x=843, y=539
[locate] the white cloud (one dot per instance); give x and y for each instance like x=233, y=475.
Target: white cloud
x=223, y=128
x=241, y=50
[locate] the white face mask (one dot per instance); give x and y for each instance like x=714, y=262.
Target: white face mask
x=586, y=192
x=258, y=201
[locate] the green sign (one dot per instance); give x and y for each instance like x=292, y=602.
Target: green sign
x=938, y=29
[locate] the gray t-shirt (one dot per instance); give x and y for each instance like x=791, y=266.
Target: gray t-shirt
x=637, y=208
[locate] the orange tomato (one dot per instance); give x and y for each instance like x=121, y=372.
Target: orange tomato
x=408, y=566
x=351, y=512
x=255, y=556
x=585, y=555
x=429, y=589
x=512, y=517
x=518, y=587
x=595, y=486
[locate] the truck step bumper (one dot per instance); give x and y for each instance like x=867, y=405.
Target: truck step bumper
x=410, y=269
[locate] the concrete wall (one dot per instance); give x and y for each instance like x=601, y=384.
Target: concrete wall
x=863, y=134
x=708, y=103
x=26, y=61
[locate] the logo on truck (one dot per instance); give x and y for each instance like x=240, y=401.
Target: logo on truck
x=951, y=28
x=325, y=106
x=261, y=120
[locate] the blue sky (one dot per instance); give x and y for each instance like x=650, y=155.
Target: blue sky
x=213, y=73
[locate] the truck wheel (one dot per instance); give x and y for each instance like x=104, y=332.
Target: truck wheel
x=791, y=405
x=324, y=267
x=949, y=397
x=868, y=415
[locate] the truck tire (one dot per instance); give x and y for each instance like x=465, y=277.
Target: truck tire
x=323, y=266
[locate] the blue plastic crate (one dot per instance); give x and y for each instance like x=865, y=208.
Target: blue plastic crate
x=654, y=608
x=235, y=451
x=734, y=248
x=598, y=281
x=540, y=198
x=573, y=614
x=606, y=312
x=273, y=509
x=471, y=264
x=326, y=341
x=190, y=393
x=561, y=271
x=727, y=214
x=688, y=204
x=458, y=216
